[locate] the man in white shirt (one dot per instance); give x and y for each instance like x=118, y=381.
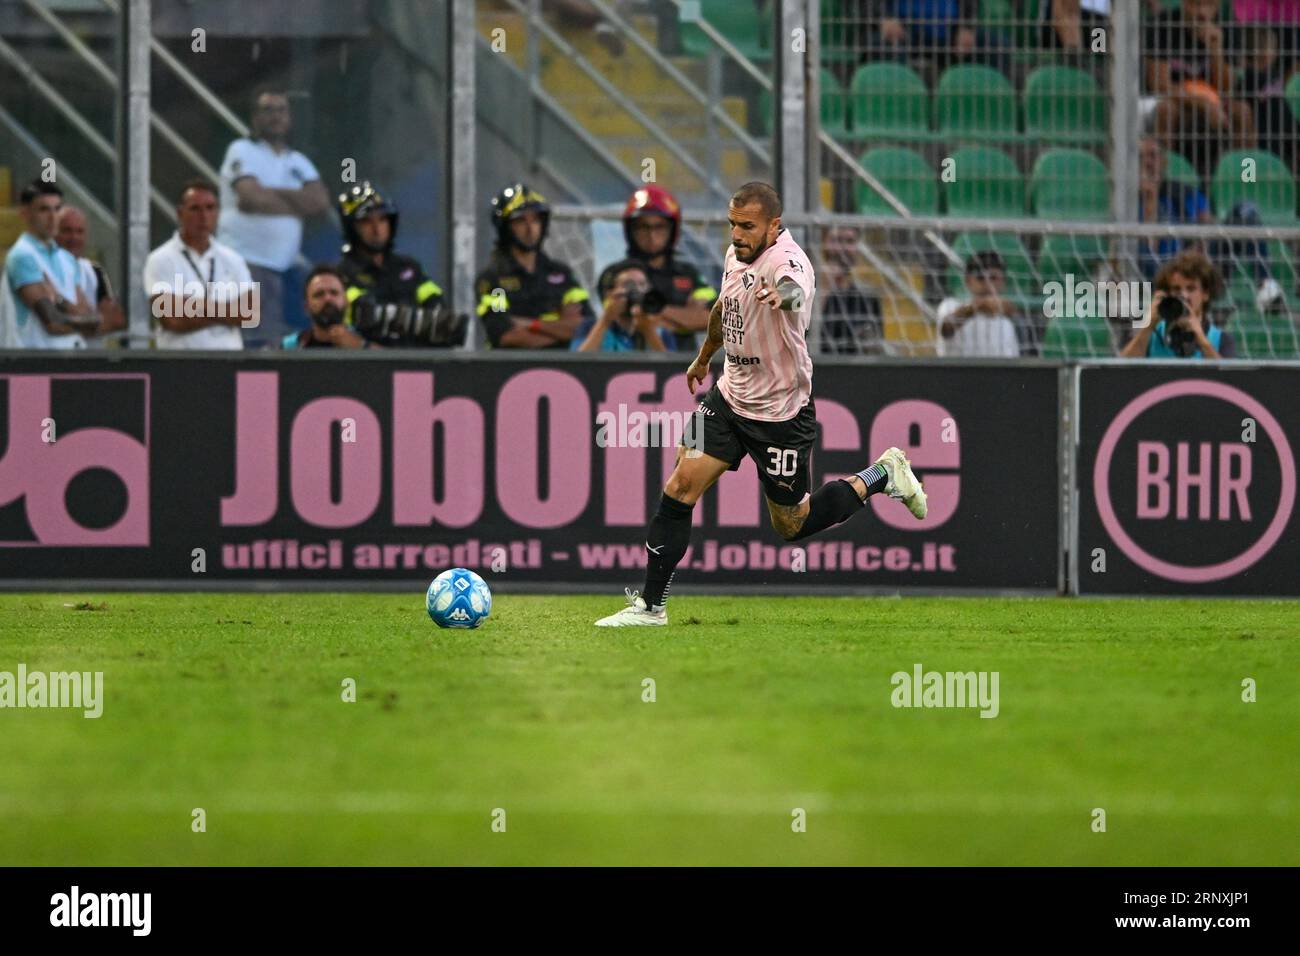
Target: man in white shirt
x=987, y=324
x=200, y=290
x=267, y=189
x=91, y=278
x=41, y=305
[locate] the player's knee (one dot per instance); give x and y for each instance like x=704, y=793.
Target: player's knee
x=681, y=489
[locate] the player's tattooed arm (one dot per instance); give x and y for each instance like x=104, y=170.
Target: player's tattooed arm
x=789, y=294
x=699, y=370
x=785, y=297
x=713, y=341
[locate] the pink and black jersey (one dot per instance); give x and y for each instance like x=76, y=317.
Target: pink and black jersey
x=767, y=374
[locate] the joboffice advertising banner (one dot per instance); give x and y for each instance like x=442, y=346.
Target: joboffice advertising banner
x=1187, y=480
x=200, y=470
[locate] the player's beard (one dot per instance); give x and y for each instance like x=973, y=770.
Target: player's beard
x=754, y=255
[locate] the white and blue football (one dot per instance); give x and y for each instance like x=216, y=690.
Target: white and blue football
x=458, y=598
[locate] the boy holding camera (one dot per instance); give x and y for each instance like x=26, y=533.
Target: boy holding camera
x=629, y=319
x=1177, y=321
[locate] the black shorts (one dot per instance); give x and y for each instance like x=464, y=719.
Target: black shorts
x=781, y=450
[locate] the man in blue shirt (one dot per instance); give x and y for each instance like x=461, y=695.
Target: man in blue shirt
x=628, y=322
x=43, y=307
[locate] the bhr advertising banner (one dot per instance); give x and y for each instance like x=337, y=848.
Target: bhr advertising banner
x=206, y=471
x=1187, y=481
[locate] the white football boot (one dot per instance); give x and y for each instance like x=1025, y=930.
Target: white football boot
x=636, y=614
x=902, y=483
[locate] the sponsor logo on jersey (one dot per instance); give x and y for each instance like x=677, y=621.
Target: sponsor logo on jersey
x=555, y=278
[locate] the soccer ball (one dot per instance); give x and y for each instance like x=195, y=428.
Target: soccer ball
x=458, y=598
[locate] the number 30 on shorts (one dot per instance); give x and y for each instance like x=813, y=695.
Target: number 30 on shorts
x=784, y=461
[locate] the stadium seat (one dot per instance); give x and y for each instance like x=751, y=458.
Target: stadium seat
x=1273, y=190
x=1022, y=281
x=1076, y=338
x=1068, y=183
x=889, y=101
x=986, y=184
x=1179, y=169
x=744, y=27
x=1258, y=337
x=976, y=102
x=1064, y=105
x=1063, y=255
x=906, y=174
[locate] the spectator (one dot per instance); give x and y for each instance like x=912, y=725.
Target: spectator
x=190, y=279
x=1068, y=25
x=267, y=189
x=652, y=223
x=944, y=31
x=527, y=299
x=1164, y=201
x=1190, y=277
x=1265, y=69
x=91, y=278
x=851, y=320
x=986, y=324
x=391, y=301
x=326, y=302
x=1186, y=54
x=43, y=306
x=628, y=321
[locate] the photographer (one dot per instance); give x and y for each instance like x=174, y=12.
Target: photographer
x=326, y=301
x=1177, y=324
x=629, y=320
x=391, y=301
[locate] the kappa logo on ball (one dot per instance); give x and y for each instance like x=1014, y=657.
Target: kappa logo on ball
x=82, y=483
x=1219, y=472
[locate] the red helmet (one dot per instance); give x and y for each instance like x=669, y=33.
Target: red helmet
x=652, y=201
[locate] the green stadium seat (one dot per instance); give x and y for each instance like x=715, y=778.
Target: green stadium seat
x=1179, y=169
x=1063, y=255
x=1076, y=338
x=1064, y=105
x=889, y=101
x=1273, y=190
x=976, y=102
x=1022, y=281
x=906, y=174
x=744, y=27
x=834, y=105
x=1068, y=183
x=1260, y=338
x=986, y=184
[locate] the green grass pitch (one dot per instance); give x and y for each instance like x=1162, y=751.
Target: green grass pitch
x=233, y=703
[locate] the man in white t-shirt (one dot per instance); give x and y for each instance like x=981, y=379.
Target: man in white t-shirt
x=267, y=189
x=986, y=324
x=191, y=280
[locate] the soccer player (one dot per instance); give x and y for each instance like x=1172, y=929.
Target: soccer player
x=760, y=406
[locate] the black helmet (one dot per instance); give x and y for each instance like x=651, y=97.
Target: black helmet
x=359, y=201
x=510, y=202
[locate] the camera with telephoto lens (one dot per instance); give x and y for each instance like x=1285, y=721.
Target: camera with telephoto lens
x=416, y=325
x=652, y=301
x=1179, y=340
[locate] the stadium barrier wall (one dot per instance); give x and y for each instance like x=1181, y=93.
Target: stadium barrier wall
x=268, y=471
x=376, y=471
x=1186, y=481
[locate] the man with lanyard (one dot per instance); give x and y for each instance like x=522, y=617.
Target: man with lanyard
x=189, y=279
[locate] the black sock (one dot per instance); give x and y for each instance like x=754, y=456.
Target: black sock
x=830, y=504
x=666, y=541
x=875, y=478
